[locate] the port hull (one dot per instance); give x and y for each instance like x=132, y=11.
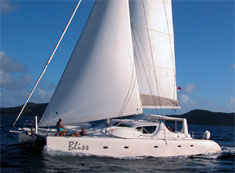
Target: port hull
x=117, y=147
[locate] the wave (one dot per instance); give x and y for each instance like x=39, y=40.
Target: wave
x=52, y=152
x=227, y=153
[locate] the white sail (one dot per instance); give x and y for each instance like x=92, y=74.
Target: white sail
x=99, y=81
x=153, y=42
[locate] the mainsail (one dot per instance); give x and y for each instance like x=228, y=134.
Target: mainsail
x=99, y=80
x=153, y=42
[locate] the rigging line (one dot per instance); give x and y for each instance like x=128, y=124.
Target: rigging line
x=154, y=31
x=48, y=62
x=128, y=92
x=135, y=83
x=128, y=99
x=148, y=63
x=168, y=69
x=138, y=71
x=172, y=54
x=152, y=55
x=144, y=68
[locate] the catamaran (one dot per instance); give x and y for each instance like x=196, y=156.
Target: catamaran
x=123, y=62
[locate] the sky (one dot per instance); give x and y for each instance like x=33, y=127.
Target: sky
x=204, y=50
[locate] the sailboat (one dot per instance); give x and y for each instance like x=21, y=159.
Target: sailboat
x=123, y=62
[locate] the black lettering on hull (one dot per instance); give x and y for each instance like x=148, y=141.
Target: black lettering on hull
x=77, y=146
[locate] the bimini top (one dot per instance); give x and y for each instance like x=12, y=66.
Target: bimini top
x=131, y=123
x=160, y=117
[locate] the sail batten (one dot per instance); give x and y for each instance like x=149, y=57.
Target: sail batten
x=171, y=35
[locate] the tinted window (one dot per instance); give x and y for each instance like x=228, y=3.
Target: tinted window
x=114, y=124
x=123, y=125
x=147, y=129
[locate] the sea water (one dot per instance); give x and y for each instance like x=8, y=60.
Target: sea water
x=32, y=158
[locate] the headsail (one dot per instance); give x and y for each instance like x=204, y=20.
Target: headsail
x=153, y=42
x=99, y=80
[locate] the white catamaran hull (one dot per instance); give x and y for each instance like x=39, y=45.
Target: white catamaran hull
x=117, y=147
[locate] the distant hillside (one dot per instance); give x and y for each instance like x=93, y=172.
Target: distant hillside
x=201, y=117
x=31, y=109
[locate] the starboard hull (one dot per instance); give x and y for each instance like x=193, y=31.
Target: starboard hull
x=25, y=138
x=117, y=147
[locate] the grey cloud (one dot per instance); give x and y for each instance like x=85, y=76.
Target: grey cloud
x=13, y=75
x=16, y=83
x=6, y=7
x=232, y=66
x=9, y=65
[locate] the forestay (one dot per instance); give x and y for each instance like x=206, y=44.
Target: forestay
x=153, y=42
x=99, y=81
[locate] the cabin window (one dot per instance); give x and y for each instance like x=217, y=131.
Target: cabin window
x=174, y=126
x=115, y=124
x=123, y=125
x=147, y=129
x=119, y=124
x=105, y=147
x=126, y=147
x=155, y=146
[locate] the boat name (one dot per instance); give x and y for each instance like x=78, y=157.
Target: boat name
x=77, y=146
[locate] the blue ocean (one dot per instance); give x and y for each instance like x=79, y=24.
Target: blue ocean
x=32, y=158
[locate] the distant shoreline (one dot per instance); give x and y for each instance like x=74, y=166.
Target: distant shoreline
x=30, y=109
x=199, y=117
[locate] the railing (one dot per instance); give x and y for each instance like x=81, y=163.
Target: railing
x=198, y=135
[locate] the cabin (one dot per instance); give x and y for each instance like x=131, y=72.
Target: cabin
x=151, y=127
